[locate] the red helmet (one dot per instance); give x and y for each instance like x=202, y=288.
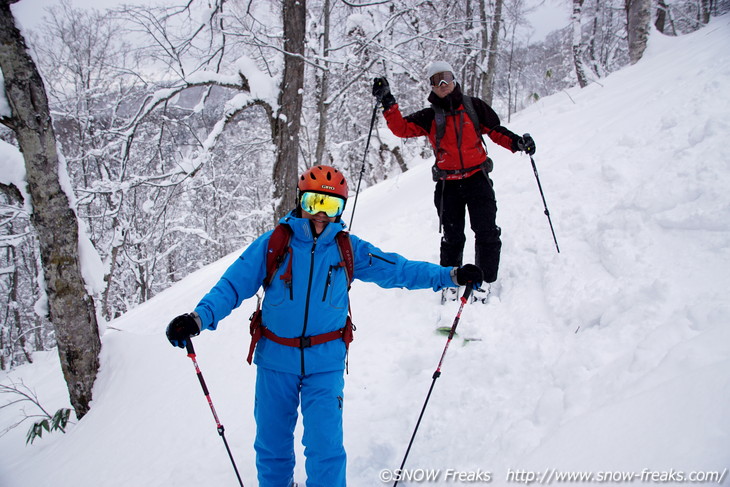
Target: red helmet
x=323, y=179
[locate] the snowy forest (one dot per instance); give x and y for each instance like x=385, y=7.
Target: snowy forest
x=182, y=127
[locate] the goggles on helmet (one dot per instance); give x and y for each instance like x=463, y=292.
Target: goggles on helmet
x=314, y=203
x=443, y=78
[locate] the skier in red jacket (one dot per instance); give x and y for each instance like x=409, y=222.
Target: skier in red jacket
x=454, y=125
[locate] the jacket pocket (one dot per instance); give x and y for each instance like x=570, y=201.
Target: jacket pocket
x=279, y=292
x=379, y=257
x=335, y=287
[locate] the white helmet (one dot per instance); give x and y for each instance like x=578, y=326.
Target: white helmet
x=438, y=67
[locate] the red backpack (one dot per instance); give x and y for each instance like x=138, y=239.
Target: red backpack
x=276, y=252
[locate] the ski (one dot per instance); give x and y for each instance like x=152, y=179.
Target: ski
x=445, y=330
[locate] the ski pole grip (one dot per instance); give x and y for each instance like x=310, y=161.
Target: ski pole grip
x=189, y=346
x=467, y=292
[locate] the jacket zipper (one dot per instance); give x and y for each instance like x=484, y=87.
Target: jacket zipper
x=380, y=258
x=309, y=292
x=291, y=283
x=327, y=283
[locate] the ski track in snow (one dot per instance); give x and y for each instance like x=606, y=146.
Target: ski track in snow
x=613, y=355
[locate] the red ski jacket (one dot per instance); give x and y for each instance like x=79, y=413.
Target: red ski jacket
x=470, y=153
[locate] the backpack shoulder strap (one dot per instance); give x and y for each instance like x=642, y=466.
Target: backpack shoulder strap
x=344, y=245
x=440, y=118
x=469, y=107
x=276, y=251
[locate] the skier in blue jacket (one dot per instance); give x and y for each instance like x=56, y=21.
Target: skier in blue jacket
x=312, y=303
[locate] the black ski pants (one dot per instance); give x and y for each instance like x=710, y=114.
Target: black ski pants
x=452, y=198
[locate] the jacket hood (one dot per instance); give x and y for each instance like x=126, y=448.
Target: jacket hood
x=450, y=101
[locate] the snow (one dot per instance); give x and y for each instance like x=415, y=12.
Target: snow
x=360, y=22
x=12, y=171
x=92, y=267
x=262, y=87
x=611, y=357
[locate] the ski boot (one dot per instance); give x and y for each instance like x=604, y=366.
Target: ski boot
x=480, y=295
x=484, y=295
x=449, y=294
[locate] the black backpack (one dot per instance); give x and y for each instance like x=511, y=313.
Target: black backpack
x=440, y=119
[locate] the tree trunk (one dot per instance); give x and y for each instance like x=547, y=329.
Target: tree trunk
x=661, y=16
x=322, y=106
x=488, y=83
x=71, y=309
x=578, y=46
x=705, y=9
x=638, y=17
x=287, y=123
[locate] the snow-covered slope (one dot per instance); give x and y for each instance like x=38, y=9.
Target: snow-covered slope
x=612, y=356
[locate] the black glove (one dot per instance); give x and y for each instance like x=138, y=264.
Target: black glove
x=469, y=274
x=381, y=91
x=181, y=328
x=526, y=144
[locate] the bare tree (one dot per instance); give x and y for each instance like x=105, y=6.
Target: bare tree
x=705, y=11
x=288, y=121
x=638, y=18
x=488, y=81
x=662, y=16
x=17, y=321
x=173, y=165
x=324, y=78
x=70, y=307
x=578, y=45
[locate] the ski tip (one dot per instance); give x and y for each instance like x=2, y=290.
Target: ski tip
x=444, y=330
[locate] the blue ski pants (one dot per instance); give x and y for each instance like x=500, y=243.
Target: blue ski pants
x=278, y=395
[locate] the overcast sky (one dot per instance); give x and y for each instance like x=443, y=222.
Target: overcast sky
x=552, y=15
x=30, y=12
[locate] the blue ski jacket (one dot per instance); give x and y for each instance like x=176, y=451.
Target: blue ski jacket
x=317, y=301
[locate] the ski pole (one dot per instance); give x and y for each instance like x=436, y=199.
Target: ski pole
x=547, y=212
x=362, y=168
x=221, y=429
x=436, y=375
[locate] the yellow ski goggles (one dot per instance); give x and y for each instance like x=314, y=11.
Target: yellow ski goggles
x=314, y=203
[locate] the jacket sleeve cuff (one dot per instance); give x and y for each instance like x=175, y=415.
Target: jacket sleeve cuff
x=452, y=273
x=198, y=321
x=390, y=108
